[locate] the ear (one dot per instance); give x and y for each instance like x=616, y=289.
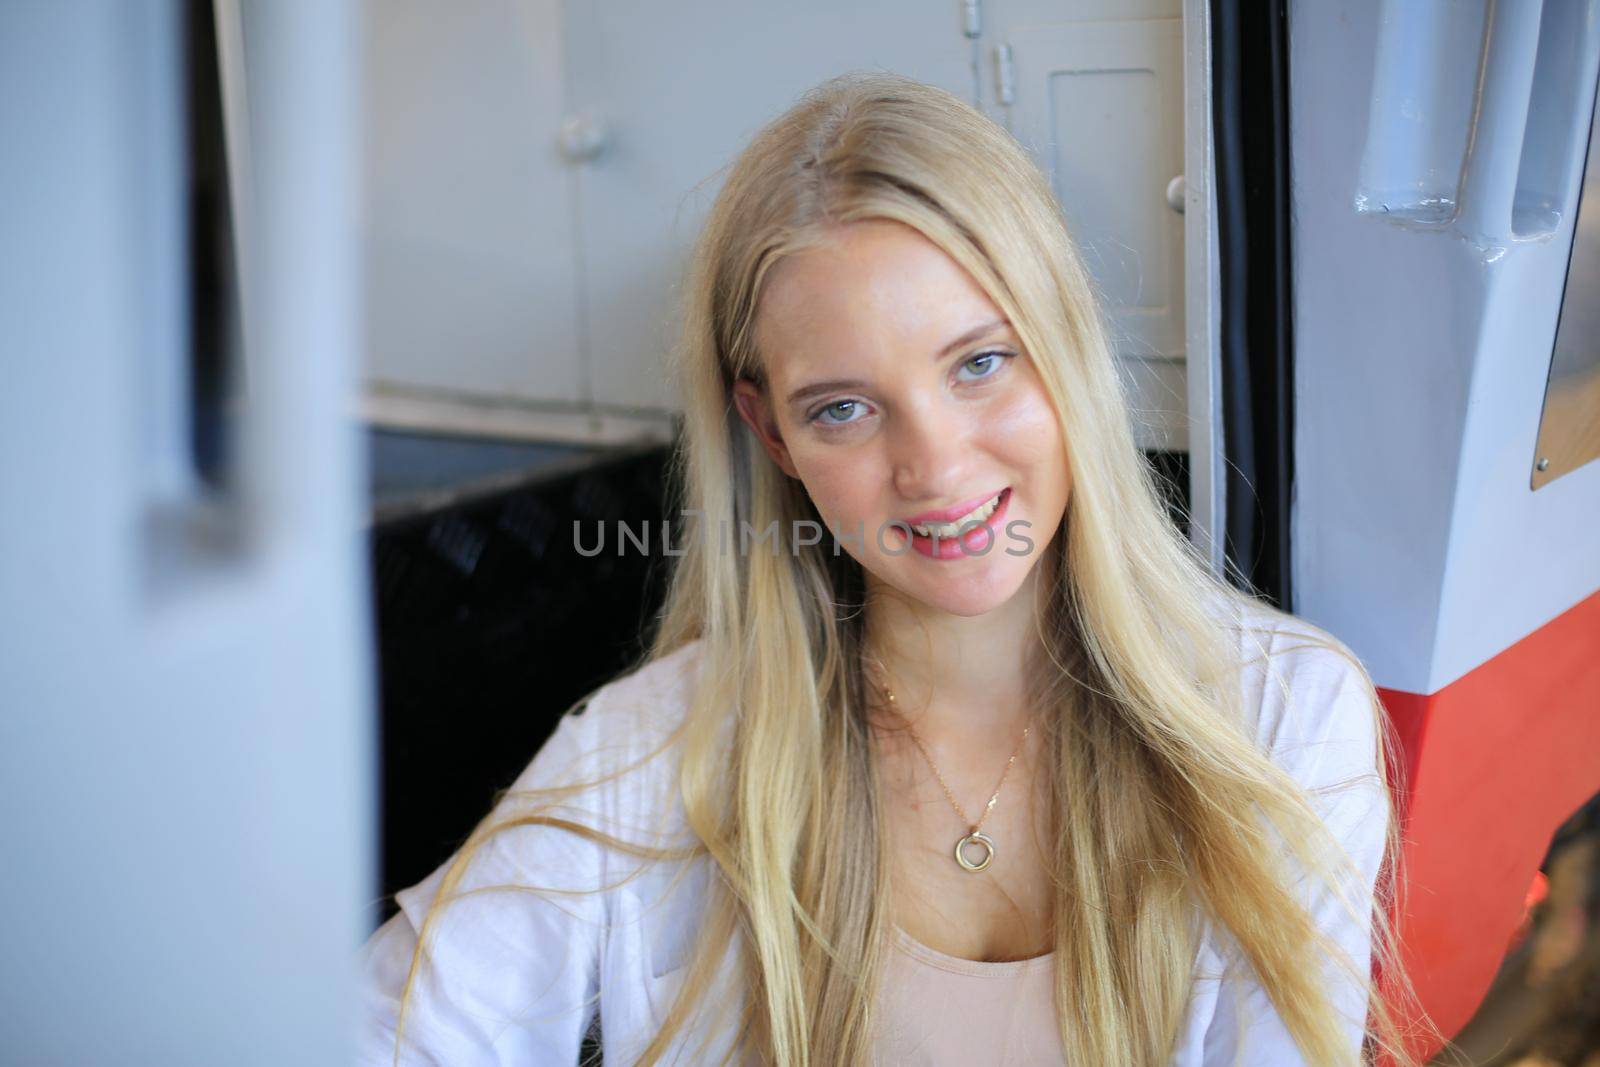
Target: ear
x=757, y=414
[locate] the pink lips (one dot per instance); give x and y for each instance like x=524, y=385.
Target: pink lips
x=948, y=514
x=978, y=541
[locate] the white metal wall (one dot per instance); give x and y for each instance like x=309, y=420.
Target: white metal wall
x=505, y=270
x=1097, y=95
x=186, y=732
x=1427, y=289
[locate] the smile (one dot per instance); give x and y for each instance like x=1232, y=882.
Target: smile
x=981, y=525
x=952, y=526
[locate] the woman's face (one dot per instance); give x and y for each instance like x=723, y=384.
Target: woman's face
x=896, y=389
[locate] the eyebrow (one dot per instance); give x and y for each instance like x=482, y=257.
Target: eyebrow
x=806, y=392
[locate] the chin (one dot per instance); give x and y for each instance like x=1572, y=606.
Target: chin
x=978, y=595
x=966, y=609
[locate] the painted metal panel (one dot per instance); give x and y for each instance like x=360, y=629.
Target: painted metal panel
x=1569, y=427
x=1422, y=348
x=468, y=230
x=186, y=786
x=1101, y=106
x=1494, y=763
x=679, y=97
x=1202, y=313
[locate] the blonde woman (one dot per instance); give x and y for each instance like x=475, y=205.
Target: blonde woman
x=948, y=750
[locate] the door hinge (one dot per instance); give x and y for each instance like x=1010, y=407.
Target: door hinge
x=972, y=18
x=1004, y=83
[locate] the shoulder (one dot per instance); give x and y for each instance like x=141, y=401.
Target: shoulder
x=1311, y=706
x=607, y=767
x=1307, y=697
x=653, y=695
x=621, y=723
x=611, y=763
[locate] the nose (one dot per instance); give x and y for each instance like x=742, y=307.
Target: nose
x=931, y=454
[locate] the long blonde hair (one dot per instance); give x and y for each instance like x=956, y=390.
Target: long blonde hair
x=1178, y=818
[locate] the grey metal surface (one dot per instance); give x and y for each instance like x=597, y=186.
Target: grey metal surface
x=1569, y=426
x=415, y=473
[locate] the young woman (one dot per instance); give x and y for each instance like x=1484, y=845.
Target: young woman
x=949, y=749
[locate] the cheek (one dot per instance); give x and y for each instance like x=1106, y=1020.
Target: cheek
x=1026, y=422
x=1034, y=445
x=840, y=488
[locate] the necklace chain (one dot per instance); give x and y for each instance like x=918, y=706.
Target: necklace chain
x=976, y=826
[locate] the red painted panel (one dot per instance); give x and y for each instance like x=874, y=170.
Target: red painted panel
x=1495, y=762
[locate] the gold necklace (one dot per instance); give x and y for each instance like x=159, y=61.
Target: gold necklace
x=976, y=836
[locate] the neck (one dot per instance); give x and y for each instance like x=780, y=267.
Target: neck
x=955, y=677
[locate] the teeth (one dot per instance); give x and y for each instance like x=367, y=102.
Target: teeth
x=949, y=530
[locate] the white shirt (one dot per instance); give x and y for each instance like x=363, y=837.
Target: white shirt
x=516, y=977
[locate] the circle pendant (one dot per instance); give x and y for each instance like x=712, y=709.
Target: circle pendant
x=984, y=842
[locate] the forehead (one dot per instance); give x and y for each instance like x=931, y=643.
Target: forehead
x=873, y=287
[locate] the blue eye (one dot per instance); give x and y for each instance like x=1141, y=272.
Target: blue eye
x=816, y=416
x=995, y=358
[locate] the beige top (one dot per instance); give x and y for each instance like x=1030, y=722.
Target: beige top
x=942, y=1009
